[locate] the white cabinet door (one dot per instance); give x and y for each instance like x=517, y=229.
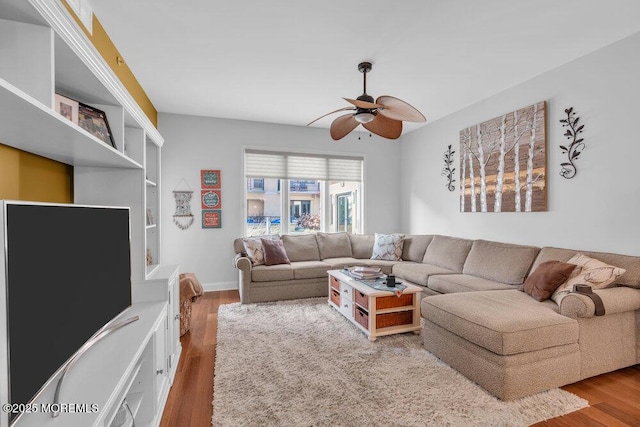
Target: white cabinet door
x=173, y=344
x=161, y=361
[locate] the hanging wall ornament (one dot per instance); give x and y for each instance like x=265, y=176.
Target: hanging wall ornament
x=576, y=146
x=447, y=170
x=183, y=217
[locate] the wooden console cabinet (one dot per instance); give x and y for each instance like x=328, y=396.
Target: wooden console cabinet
x=374, y=312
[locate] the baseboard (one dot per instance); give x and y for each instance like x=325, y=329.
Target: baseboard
x=220, y=286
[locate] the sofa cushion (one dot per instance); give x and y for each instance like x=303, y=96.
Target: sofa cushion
x=447, y=252
x=417, y=273
x=270, y=273
x=334, y=245
x=309, y=269
x=451, y=283
x=342, y=262
x=542, y=282
x=504, y=322
x=415, y=246
x=630, y=263
x=588, y=271
x=361, y=245
x=388, y=247
x=302, y=247
x=502, y=262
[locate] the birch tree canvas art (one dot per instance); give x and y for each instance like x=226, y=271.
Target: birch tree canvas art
x=503, y=163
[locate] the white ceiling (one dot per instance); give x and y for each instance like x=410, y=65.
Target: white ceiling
x=291, y=61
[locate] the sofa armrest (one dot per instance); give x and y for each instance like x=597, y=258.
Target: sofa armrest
x=615, y=300
x=243, y=264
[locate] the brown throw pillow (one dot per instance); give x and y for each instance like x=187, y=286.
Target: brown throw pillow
x=274, y=252
x=546, y=278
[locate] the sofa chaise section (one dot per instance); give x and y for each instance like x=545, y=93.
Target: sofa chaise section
x=513, y=345
x=504, y=340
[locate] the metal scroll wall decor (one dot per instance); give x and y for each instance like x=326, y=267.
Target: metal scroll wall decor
x=576, y=146
x=447, y=170
x=502, y=163
x=183, y=217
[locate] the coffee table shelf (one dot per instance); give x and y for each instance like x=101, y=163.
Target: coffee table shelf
x=358, y=303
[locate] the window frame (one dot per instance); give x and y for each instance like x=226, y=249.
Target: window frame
x=326, y=199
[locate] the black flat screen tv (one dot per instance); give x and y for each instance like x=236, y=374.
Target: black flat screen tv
x=67, y=274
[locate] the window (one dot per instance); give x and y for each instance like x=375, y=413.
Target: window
x=264, y=210
x=318, y=193
x=343, y=213
x=255, y=184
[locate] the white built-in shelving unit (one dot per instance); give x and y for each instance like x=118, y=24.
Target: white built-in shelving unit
x=152, y=203
x=43, y=51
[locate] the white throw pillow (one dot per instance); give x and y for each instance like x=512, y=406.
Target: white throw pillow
x=590, y=272
x=254, y=250
x=388, y=247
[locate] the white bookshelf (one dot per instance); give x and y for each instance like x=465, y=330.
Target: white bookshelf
x=152, y=203
x=44, y=52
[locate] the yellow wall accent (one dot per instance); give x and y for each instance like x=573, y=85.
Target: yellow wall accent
x=9, y=173
x=107, y=49
x=26, y=176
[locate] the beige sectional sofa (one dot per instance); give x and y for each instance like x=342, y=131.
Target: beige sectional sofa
x=476, y=319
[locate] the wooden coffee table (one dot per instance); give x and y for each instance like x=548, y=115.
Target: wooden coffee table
x=375, y=312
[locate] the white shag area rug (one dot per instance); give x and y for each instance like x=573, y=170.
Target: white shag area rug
x=300, y=363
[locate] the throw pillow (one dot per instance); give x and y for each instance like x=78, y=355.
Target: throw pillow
x=254, y=250
x=589, y=271
x=388, y=247
x=274, y=252
x=546, y=278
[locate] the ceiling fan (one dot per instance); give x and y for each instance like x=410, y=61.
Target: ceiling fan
x=383, y=117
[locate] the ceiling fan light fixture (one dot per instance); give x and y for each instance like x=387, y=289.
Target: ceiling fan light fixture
x=383, y=117
x=364, y=117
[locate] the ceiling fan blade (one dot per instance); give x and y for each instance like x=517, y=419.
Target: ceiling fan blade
x=363, y=104
x=397, y=109
x=385, y=127
x=339, y=109
x=342, y=126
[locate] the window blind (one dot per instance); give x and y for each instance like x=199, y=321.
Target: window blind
x=272, y=164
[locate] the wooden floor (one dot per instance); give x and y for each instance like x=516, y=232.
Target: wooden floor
x=189, y=402
x=614, y=397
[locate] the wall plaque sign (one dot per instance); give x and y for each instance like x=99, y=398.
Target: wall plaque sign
x=211, y=199
x=210, y=178
x=211, y=218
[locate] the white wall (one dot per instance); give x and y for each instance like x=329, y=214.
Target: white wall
x=195, y=143
x=596, y=210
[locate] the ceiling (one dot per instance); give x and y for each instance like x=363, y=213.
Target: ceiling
x=290, y=62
